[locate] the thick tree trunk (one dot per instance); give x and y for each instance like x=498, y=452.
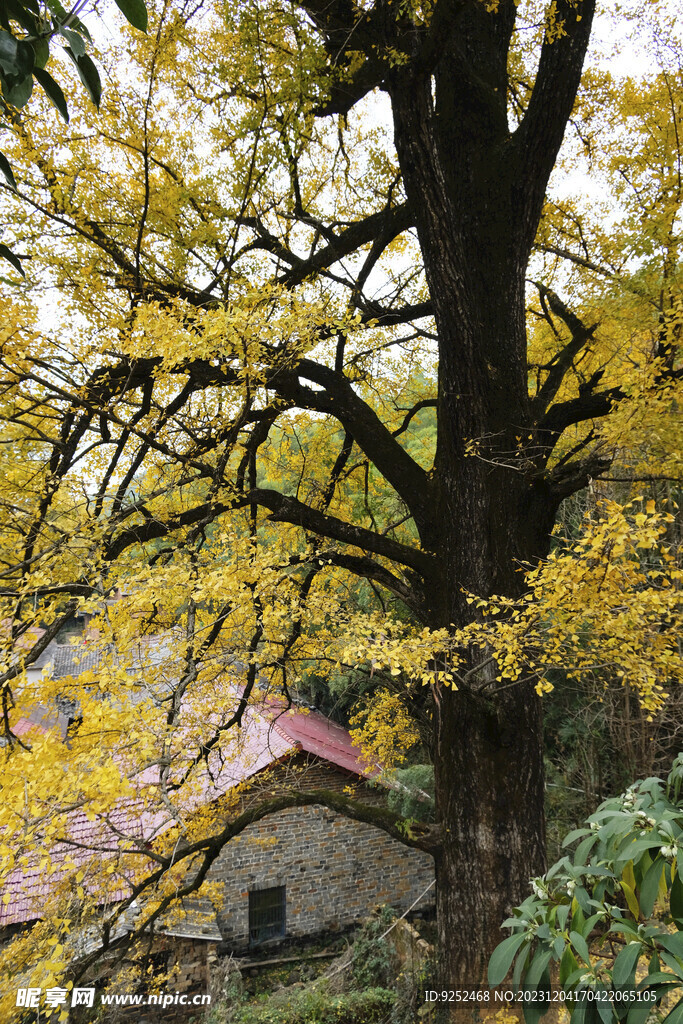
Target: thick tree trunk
x=493, y=517
x=476, y=191
x=489, y=791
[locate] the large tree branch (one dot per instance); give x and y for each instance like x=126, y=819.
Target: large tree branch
x=568, y=479
x=338, y=398
x=401, y=315
x=471, y=75
x=367, y=569
x=283, y=508
x=288, y=510
x=587, y=406
x=580, y=336
x=349, y=88
x=385, y=224
x=580, y=261
x=347, y=29
x=537, y=140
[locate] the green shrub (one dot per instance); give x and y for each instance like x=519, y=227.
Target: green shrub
x=373, y=958
x=610, y=915
x=414, y=797
x=310, y=1006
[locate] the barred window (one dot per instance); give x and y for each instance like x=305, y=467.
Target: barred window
x=266, y=914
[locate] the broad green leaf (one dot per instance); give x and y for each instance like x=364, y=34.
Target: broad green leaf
x=7, y=172
x=77, y=25
x=41, y=52
x=625, y=964
x=57, y=9
x=23, y=13
x=537, y=979
x=600, y=871
x=577, y=833
x=650, y=887
x=8, y=255
x=583, y=899
x=20, y=93
x=62, y=17
x=19, y=64
x=520, y=967
x=589, y=924
x=585, y=1010
x=676, y=1014
x=676, y=901
x=578, y=919
x=502, y=957
x=568, y=964
x=634, y=847
x=574, y=978
x=651, y=785
x=603, y=1005
x=88, y=74
x=624, y=927
x=674, y=943
x=537, y=968
x=584, y=848
x=579, y=1012
x=135, y=12
x=674, y=964
x=658, y=980
x=581, y=946
x=9, y=49
x=53, y=91
x=639, y=1013
x=74, y=39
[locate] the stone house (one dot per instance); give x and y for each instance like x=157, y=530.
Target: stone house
x=299, y=872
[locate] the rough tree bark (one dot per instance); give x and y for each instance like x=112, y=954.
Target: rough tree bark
x=476, y=190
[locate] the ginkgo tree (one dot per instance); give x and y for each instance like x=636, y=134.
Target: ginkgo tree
x=26, y=31
x=315, y=221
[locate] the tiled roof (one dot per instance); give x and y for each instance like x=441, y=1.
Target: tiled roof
x=46, y=657
x=269, y=733
x=28, y=886
x=72, y=659
x=194, y=919
x=41, y=718
x=316, y=734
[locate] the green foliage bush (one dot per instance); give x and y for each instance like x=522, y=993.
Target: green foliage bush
x=316, y=1006
x=415, y=796
x=610, y=915
x=373, y=959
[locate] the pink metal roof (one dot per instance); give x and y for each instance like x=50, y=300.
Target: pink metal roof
x=315, y=734
x=269, y=733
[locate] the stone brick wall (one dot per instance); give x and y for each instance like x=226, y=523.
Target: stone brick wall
x=306, y=771
x=189, y=963
x=335, y=870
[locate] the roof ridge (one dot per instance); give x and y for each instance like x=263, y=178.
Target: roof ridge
x=281, y=731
